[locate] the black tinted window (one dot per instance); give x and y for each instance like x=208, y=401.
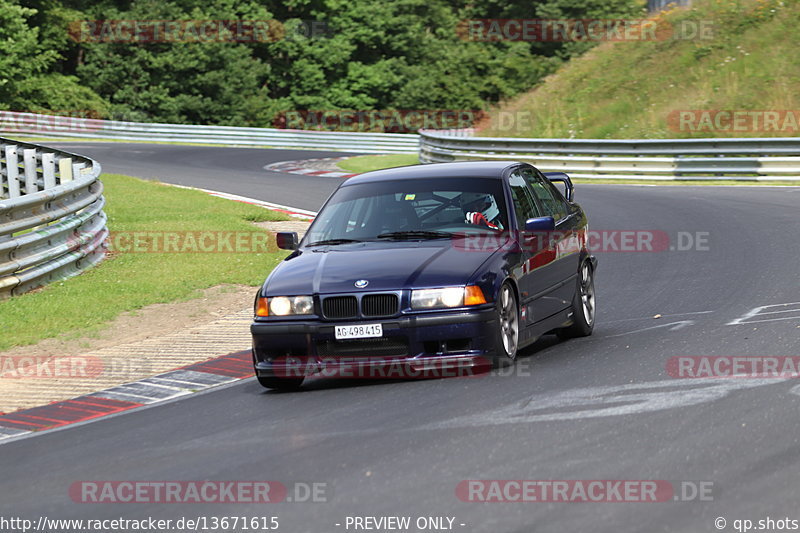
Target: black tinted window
x=549, y=198
x=364, y=211
x=524, y=206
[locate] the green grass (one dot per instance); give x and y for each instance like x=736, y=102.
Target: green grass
x=629, y=89
x=80, y=306
x=366, y=163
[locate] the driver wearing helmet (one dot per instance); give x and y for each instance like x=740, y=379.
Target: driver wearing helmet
x=481, y=209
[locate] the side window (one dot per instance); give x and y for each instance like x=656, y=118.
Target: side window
x=548, y=196
x=557, y=194
x=524, y=206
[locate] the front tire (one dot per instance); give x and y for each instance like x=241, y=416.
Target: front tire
x=583, y=305
x=281, y=384
x=507, y=330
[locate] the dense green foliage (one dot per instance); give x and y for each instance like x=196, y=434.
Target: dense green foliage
x=400, y=54
x=748, y=62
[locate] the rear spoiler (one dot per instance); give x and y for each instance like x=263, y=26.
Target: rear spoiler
x=563, y=178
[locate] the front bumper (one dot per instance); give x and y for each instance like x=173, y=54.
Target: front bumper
x=419, y=343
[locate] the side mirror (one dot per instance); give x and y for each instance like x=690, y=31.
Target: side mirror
x=569, y=189
x=540, y=224
x=287, y=240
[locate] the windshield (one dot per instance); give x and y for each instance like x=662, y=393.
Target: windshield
x=410, y=209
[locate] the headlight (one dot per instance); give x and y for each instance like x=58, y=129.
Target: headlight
x=285, y=306
x=302, y=305
x=280, y=306
x=447, y=297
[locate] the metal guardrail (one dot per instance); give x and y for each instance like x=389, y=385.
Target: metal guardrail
x=661, y=5
x=683, y=159
x=58, y=126
x=658, y=159
x=52, y=224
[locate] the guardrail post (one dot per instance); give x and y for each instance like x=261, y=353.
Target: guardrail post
x=29, y=162
x=49, y=170
x=65, y=170
x=2, y=181
x=12, y=171
x=77, y=169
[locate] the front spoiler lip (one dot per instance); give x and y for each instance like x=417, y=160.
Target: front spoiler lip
x=418, y=364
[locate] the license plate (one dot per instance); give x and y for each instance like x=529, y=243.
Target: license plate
x=361, y=331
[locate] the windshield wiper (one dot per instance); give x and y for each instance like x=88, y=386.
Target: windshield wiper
x=332, y=242
x=416, y=234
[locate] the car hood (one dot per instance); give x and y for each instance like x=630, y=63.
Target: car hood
x=386, y=266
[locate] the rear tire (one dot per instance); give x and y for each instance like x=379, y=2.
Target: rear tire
x=583, y=305
x=282, y=384
x=507, y=331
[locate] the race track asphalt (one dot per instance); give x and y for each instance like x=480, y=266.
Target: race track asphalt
x=598, y=408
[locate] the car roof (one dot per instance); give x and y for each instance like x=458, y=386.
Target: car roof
x=461, y=169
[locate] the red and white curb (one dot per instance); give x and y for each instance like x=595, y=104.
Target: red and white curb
x=179, y=382
x=154, y=389
x=300, y=166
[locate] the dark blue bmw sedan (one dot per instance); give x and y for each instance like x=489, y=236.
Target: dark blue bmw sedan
x=427, y=267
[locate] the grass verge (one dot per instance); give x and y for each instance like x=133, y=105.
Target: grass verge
x=126, y=281
x=366, y=163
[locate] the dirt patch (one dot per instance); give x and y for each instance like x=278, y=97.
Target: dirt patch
x=159, y=319
x=138, y=344
x=151, y=321
x=300, y=226
x=154, y=340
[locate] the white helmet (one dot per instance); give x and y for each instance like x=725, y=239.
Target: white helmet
x=480, y=202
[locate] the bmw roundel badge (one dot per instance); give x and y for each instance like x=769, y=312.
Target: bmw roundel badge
x=361, y=283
